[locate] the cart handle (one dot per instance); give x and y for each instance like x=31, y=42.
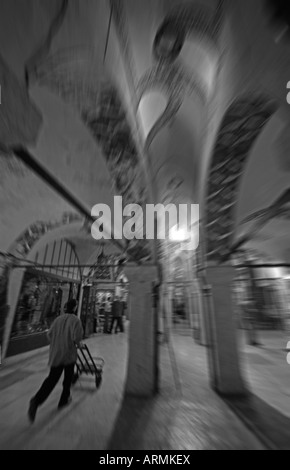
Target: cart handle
x=84, y=347
x=99, y=359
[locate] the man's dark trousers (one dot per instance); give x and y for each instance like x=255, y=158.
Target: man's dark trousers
x=50, y=383
x=117, y=311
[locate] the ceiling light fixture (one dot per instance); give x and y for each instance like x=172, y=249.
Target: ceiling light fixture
x=178, y=234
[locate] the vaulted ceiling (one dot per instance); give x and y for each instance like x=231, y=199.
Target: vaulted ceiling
x=127, y=97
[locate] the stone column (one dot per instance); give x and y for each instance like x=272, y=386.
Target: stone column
x=203, y=339
x=222, y=332
x=161, y=321
x=167, y=312
x=142, y=376
x=190, y=305
x=14, y=290
x=169, y=306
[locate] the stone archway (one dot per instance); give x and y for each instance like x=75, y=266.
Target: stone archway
x=24, y=249
x=243, y=122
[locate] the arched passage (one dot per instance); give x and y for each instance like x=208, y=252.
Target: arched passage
x=23, y=252
x=262, y=222
x=241, y=126
x=244, y=120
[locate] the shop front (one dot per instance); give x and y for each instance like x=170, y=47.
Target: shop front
x=97, y=306
x=41, y=301
x=44, y=292
x=104, y=283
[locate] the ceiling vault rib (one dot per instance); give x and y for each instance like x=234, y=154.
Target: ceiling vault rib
x=122, y=30
x=120, y=21
x=23, y=155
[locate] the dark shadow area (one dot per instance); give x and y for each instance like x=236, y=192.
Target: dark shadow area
x=271, y=426
x=138, y=426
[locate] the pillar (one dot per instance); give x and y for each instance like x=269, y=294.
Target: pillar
x=167, y=311
x=203, y=336
x=14, y=290
x=142, y=375
x=190, y=305
x=161, y=313
x=222, y=333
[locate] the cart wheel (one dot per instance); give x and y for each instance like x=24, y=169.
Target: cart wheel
x=75, y=378
x=99, y=379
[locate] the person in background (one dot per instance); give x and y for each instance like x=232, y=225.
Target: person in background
x=65, y=334
x=116, y=316
x=123, y=298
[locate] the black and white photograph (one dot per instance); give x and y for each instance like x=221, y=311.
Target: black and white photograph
x=144, y=227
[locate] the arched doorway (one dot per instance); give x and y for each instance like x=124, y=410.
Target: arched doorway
x=262, y=267
x=47, y=285
x=39, y=244
x=241, y=126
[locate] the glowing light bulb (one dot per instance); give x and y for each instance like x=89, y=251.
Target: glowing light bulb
x=179, y=234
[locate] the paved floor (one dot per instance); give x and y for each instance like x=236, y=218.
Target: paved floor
x=186, y=415
x=267, y=371
x=266, y=408
x=86, y=424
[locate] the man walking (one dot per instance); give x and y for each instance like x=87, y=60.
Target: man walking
x=66, y=332
x=117, y=312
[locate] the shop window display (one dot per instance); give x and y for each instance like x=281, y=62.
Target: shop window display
x=41, y=301
x=104, y=307
x=96, y=313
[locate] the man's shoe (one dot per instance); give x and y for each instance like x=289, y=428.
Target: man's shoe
x=63, y=404
x=32, y=411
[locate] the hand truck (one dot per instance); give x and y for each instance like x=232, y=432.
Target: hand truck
x=88, y=365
